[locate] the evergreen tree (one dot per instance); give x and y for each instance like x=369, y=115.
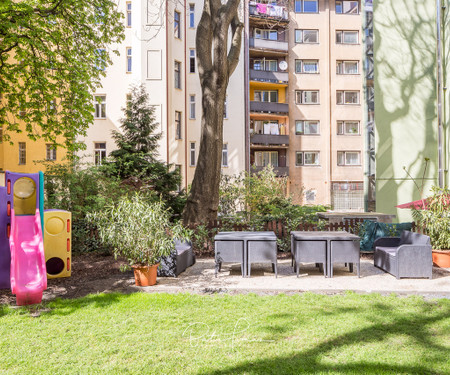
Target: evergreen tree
x=135, y=161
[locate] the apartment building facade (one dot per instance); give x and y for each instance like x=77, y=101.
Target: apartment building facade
x=159, y=51
x=295, y=100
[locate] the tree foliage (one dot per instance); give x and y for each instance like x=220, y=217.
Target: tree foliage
x=52, y=57
x=135, y=161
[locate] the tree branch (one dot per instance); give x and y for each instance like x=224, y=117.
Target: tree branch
x=203, y=41
x=233, y=54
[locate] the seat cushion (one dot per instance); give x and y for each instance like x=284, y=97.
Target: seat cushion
x=389, y=250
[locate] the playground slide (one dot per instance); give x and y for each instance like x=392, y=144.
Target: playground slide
x=28, y=273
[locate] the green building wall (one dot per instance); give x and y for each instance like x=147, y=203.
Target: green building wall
x=406, y=125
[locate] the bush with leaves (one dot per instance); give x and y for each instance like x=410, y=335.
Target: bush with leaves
x=81, y=189
x=138, y=230
x=435, y=219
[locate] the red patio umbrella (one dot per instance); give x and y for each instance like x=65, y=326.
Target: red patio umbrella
x=420, y=204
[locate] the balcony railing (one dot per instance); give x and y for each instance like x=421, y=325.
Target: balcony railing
x=268, y=107
x=265, y=44
x=267, y=76
x=269, y=139
x=279, y=171
x=268, y=11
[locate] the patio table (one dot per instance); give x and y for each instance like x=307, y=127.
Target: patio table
x=326, y=247
x=234, y=247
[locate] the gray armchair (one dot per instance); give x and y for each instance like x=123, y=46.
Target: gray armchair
x=406, y=256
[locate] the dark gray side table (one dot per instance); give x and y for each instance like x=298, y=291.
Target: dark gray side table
x=338, y=247
x=234, y=247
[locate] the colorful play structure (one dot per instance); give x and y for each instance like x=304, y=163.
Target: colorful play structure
x=34, y=244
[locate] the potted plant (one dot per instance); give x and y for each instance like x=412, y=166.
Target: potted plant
x=434, y=220
x=139, y=231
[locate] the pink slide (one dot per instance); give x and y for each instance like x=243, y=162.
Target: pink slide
x=28, y=273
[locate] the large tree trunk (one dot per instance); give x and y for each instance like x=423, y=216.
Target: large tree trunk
x=216, y=63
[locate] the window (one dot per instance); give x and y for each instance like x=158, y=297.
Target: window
x=192, y=154
x=51, y=151
x=177, y=75
x=99, y=152
x=345, y=158
x=306, y=36
x=347, y=97
x=346, y=37
x=177, y=125
x=177, y=24
x=306, y=97
x=306, y=127
x=306, y=6
x=128, y=59
x=307, y=66
x=347, y=7
x=128, y=13
x=100, y=107
x=100, y=60
x=192, y=61
x=266, y=96
x=264, y=158
x=191, y=15
x=225, y=155
x=51, y=107
x=22, y=153
x=306, y=158
x=267, y=65
x=128, y=98
x=192, y=106
x=348, y=127
x=266, y=34
x=347, y=67
x=178, y=170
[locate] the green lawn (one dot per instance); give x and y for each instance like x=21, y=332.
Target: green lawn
x=221, y=334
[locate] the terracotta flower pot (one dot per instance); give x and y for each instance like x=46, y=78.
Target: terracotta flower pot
x=145, y=275
x=441, y=258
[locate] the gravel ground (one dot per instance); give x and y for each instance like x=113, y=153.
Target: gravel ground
x=95, y=273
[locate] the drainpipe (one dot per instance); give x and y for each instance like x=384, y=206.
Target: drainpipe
x=439, y=94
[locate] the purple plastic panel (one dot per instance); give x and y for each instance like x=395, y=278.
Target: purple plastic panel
x=5, y=255
x=11, y=178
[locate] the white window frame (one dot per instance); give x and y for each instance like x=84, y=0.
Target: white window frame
x=301, y=63
x=342, y=97
x=178, y=125
x=177, y=24
x=301, y=33
x=342, y=158
x=265, y=34
x=301, y=97
x=177, y=74
x=303, y=155
x=225, y=155
x=304, y=125
x=192, y=62
x=100, y=107
x=302, y=6
x=50, y=152
x=22, y=153
x=343, y=4
x=342, y=128
x=129, y=59
x=342, y=64
x=192, y=107
x=99, y=152
x=265, y=93
x=192, y=156
x=191, y=15
x=128, y=5
x=342, y=34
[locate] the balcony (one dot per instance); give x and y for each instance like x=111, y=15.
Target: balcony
x=270, y=45
x=268, y=76
x=269, y=139
x=279, y=171
x=268, y=12
x=267, y=107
